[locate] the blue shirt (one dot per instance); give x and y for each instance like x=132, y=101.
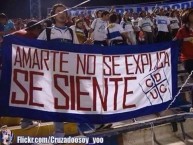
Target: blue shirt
x=9, y=26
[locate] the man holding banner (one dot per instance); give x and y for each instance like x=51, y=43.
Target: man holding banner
x=62, y=33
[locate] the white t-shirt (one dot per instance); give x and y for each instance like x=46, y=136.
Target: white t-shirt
x=114, y=31
x=162, y=23
x=174, y=23
x=145, y=24
x=135, y=24
x=74, y=34
x=57, y=33
x=98, y=25
x=127, y=26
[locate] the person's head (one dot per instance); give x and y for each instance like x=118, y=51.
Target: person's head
x=113, y=18
x=3, y=18
x=47, y=23
x=178, y=13
x=173, y=14
x=161, y=12
x=167, y=14
x=126, y=15
x=105, y=15
x=81, y=15
x=34, y=28
x=99, y=13
x=131, y=10
x=74, y=19
x=143, y=14
x=19, y=24
x=187, y=17
x=149, y=15
x=135, y=15
x=62, y=17
x=79, y=24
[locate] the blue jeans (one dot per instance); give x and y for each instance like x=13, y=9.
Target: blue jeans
x=59, y=129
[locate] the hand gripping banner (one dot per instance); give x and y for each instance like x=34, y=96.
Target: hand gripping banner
x=54, y=81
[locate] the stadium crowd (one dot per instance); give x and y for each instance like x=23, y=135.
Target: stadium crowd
x=107, y=28
x=133, y=28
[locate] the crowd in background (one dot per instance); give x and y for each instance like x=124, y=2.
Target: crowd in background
x=136, y=28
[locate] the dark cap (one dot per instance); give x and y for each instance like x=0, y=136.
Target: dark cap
x=33, y=24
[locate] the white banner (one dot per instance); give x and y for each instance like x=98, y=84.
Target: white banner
x=59, y=81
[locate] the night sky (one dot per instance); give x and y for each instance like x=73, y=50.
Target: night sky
x=21, y=8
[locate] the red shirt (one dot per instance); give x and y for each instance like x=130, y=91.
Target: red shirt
x=187, y=44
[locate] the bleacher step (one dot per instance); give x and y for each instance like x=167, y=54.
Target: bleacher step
x=164, y=135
